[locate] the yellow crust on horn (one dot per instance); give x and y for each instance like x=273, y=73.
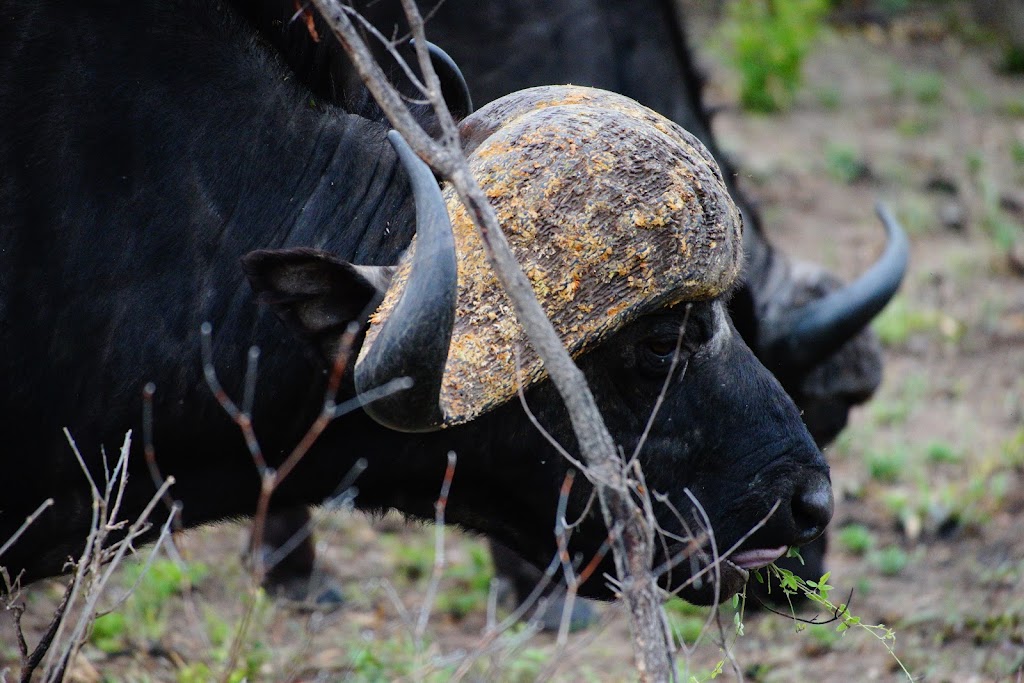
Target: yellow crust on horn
x=612, y=211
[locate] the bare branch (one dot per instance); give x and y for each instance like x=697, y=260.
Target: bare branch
x=632, y=543
x=438, y=568
x=148, y=448
x=665, y=385
x=25, y=525
x=538, y=426
x=31, y=662
x=240, y=417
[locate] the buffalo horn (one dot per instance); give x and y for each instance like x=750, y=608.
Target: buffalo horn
x=817, y=330
x=414, y=339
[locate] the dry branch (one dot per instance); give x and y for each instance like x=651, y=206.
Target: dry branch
x=632, y=530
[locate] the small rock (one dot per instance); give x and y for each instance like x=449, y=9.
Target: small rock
x=910, y=524
x=1012, y=202
x=82, y=671
x=1015, y=259
x=581, y=617
x=953, y=216
x=942, y=185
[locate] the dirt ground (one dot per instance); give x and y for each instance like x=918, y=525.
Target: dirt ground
x=929, y=528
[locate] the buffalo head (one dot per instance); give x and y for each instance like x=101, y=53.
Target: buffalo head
x=811, y=330
x=622, y=222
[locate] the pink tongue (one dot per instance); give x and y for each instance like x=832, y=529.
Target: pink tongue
x=755, y=559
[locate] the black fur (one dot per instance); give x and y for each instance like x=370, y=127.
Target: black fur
x=147, y=147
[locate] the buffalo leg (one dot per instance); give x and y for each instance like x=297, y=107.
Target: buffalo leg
x=522, y=577
x=289, y=554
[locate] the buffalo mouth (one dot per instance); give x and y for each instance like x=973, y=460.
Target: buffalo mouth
x=714, y=580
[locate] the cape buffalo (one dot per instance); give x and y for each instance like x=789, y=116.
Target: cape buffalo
x=148, y=149
x=801, y=322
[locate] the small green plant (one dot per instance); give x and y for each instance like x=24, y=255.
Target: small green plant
x=898, y=322
x=829, y=97
x=844, y=164
x=925, y=87
x=917, y=214
x=687, y=621
x=413, y=558
x=887, y=466
x=526, y=665
x=145, y=613
x=818, y=592
x=856, y=538
x=108, y=632
x=1001, y=229
x=199, y=672
x=941, y=452
x=1013, y=107
x=467, y=583
x=705, y=676
x=824, y=637
x=891, y=560
x=1017, y=152
x=916, y=125
x=887, y=413
x=897, y=502
x=978, y=99
x=1013, y=60
x=768, y=43
x=975, y=161
x=400, y=658
x=1013, y=449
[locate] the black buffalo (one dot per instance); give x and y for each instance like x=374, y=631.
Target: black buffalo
x=800, y=321
x=146, y=149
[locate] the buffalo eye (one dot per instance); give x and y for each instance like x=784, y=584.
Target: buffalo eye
x=660, y=336
x=662, y=348
x=656, y=353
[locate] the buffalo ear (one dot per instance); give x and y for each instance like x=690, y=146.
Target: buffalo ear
x=316, y=294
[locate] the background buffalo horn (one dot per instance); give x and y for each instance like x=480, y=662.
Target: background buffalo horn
x=816, y=330
x=414, y=339
x=454, y=88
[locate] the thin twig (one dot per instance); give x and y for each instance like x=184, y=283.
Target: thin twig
x=30, y=662
x=240, y=417
x=536, y=423
x=109, y=562
x=665, y=385
x=165, y=532
x=439, y=555
x=148, y=446
x=343, y=497
x=26, y=524
x=562, y=539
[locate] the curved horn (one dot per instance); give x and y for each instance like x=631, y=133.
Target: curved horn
x=454, y=88
x=414, y=339
x=813, y=332
x=453, y=83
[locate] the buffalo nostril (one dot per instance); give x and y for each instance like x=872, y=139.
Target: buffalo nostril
x=812, y=508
